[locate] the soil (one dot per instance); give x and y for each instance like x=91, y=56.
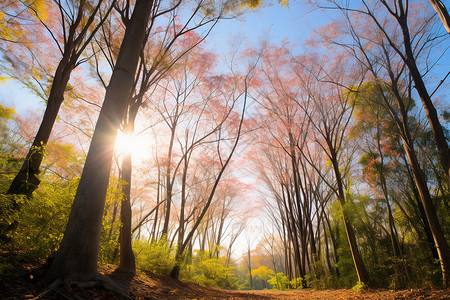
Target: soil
x=21, y=275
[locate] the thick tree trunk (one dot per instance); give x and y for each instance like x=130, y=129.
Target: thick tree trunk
x=76, y=258
x=26, y=180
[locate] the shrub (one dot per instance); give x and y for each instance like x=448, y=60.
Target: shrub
x=210, y=271
x=155, y=257
x=43, y=218
x=279, y=281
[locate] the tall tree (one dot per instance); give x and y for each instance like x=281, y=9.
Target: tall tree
x=309, y=96
x=225, y=114
x=76, y=258
x=410, y=55
x=374, y=43
x=79, y=22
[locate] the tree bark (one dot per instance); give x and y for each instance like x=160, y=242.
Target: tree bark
x=165, y=230
x=26, y=180
x=76, y=258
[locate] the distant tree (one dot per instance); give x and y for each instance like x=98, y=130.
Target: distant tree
x=392, y=70
x=312, y=111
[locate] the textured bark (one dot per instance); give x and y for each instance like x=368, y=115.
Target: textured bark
x=76, y=258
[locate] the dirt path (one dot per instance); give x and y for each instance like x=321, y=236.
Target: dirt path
x=350, y=294
x=20, y=283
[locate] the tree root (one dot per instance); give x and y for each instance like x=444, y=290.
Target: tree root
x=50, y=288
x=100, y=281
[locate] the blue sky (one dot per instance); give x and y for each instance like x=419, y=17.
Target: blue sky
x=269, y=22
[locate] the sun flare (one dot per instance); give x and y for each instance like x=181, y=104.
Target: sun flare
x=139, y=146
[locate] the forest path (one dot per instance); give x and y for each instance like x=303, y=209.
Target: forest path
x=21, y=274
x=309, y=294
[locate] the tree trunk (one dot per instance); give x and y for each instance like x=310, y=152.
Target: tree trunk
x=175, y=273
x=165, y=230
x=127, y=259
x=158, y=196
x=421, y=184
x=26, y=180
x=249, y=267
x=76, y=258
x=357, y=259
x=327, y=252
x=430, y=211
x=430, y=110
x=416, y=201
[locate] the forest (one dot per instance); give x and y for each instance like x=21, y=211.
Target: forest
x=253, y=166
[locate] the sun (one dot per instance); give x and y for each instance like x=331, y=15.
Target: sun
x=139, y=145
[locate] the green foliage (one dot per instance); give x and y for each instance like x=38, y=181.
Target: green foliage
x=210, y=271
x=296, y=283
x=155, y=257
x=43, y=218
x=261, y=276
x=321, y=279
x=34, y=224
x=327, y=281
x=279, y=281
x=345, y=265
x=9, y=145
x=360, y=286
x=9, y=215
x=109, y=238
